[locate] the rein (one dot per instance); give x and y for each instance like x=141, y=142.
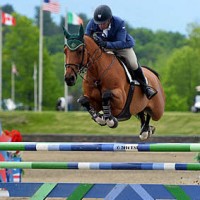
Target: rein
x=82, y=69
x=94, y=59
x=85, y=68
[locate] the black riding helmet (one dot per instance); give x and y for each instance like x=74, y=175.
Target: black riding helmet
x=102, y=13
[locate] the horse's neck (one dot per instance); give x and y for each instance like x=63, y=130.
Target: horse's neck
x=91, y=46
x=99, y=58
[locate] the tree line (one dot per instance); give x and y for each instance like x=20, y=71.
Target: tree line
x=173, y=55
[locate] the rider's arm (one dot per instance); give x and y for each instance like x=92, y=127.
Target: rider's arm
x=121, y=39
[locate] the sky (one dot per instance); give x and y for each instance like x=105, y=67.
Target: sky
x=167, y=15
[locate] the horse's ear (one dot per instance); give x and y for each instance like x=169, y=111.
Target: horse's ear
x=67, y=35
x=81, y=31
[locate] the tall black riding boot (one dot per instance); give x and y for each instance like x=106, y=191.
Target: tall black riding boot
x=148, y=91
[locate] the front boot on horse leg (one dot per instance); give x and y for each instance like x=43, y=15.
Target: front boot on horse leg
x=111, y=121
x=148, y=91
x=97, y=117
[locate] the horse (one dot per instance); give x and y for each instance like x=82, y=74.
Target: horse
x=108, y=95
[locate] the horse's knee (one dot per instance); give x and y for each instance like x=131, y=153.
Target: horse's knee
x=84, y=101
x=106, y=96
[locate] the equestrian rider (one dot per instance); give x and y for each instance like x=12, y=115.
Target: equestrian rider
x=115, y=38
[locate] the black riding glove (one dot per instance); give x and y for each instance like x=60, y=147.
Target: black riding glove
x=101, y=42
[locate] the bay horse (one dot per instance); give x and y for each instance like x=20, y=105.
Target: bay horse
x=108, y=95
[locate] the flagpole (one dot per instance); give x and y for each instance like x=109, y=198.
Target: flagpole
x=35, y=86
x=40, y=59
x=12, y=83
x=65, y=85
x=1, y=43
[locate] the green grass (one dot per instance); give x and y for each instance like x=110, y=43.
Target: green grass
x=172, y=123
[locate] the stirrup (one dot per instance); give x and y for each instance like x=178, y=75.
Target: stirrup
x=150, y=92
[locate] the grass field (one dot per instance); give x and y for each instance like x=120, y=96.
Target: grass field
x=172, y=123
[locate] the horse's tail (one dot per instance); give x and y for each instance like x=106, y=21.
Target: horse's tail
x=153, y=71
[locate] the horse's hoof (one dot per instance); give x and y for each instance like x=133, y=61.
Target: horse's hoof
x=144, y=135
x=151, y=130
x=147, y=134
x=112, y=122
x=100, y=120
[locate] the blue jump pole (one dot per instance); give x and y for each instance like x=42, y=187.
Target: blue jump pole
x=123, y=147
x=102, y=165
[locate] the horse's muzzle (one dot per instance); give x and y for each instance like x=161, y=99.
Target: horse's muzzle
x=70, y=81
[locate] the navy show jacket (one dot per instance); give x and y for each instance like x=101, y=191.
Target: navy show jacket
x=117, y=36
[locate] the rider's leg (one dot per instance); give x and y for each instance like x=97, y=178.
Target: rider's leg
x=149, y=91
x=136, y=71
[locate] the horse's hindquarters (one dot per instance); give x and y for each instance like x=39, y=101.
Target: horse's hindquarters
x=157, y=109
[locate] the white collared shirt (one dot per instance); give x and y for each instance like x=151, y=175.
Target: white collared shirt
x=105, y=31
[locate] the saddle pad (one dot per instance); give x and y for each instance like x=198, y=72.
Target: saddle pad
x=134, y=81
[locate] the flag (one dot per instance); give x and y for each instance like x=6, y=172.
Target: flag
x=0, y=129
x=51, y=6
x=8, y=19
x=14, y=69
x=74, y=19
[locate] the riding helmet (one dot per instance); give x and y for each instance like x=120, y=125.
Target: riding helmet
x=102, y=13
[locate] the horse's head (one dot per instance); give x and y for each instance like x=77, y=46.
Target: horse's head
x=75, y=56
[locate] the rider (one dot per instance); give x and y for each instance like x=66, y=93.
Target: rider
x=115, y=37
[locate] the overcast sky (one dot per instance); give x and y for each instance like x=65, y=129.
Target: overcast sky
x=168, y=15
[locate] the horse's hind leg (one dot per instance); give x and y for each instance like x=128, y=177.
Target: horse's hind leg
x=97, y=117
x=142, y=118
x=146, y=129
x=111, y=121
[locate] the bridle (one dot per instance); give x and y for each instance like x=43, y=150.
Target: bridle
x=79, y=66
x=83, y=68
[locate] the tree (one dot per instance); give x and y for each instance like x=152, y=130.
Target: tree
x=151, y=46
x=8, y=9
x=21, y=47
x=182, y=75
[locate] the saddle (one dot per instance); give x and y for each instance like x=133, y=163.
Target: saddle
x=125, y=113
x=123, y=63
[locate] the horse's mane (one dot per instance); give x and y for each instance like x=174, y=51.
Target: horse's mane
x=90, y=37
x=85, y=35
x=153, y=71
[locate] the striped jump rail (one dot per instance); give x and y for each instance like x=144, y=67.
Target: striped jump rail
x=81, y=146
x=102, y=165
x=78, y=191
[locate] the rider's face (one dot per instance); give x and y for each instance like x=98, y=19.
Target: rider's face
x=104, y=25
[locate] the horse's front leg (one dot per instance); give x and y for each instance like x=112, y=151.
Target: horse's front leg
x=97, y=117
x=111, y=121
